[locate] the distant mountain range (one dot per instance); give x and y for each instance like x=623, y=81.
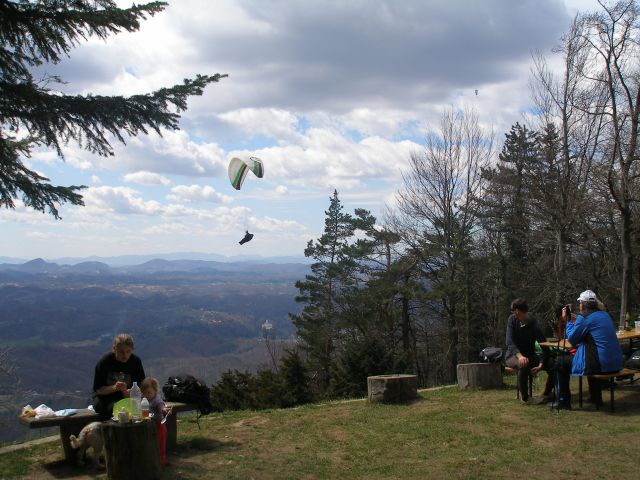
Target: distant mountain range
x=154, y=266
x=126, y=260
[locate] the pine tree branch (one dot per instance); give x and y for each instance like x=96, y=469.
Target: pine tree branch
x=37, y=31
x=15, y=178
x=54, y=120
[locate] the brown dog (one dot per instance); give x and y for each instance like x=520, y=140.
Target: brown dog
x=89, y=436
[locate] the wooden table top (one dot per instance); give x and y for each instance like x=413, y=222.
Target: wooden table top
x=628, y=334
x=563, y=344
x=566, y=345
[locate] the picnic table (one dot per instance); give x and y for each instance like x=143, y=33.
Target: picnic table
x=72, y=424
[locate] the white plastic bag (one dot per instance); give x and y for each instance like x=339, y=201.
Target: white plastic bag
x=42, y=411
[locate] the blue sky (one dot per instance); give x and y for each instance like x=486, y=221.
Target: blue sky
x=330, y=95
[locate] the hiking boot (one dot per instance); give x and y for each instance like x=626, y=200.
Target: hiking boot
x=548, y=397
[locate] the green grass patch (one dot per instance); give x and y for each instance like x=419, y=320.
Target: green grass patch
x=446, y=433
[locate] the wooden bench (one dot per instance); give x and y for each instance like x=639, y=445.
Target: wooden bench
x=72, y=424
x=611, y=380
x=514, y=371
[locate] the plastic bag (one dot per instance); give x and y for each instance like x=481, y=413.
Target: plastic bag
x=42, y=411
x=126, y=404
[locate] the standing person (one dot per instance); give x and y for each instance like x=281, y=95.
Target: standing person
x=597, y=348
x=158, y=409
x=114, y=375
x=522, y=332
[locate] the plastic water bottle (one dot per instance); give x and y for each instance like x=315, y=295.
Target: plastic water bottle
x=136, y=399
x=144, y=407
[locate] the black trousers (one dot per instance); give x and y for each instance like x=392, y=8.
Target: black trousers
x=564, y=377
x=103, y=406
x=523, y=373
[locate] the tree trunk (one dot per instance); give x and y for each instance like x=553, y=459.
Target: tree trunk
x=132, y=451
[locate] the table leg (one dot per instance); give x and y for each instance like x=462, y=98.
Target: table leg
x=580, y=391
x=65, y=432
x=172, y=431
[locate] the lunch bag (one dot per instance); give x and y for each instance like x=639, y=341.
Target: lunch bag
x=633, y=361
x=188, y=389
x=491, y=355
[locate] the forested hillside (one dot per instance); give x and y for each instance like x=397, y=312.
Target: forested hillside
x=197, y=317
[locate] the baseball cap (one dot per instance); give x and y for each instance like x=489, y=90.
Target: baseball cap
x=587, y=296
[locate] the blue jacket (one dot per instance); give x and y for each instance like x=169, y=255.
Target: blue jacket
x=598, y=349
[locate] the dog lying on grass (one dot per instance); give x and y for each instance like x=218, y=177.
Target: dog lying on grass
x=89, y=436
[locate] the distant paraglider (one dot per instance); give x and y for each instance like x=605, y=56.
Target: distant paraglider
x=238, y=169
x=247, y=236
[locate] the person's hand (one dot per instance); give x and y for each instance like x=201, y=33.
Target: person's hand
x=166, y=411
x=523, y=361
x=120, y=386
x=535, y=370
x=126, y=393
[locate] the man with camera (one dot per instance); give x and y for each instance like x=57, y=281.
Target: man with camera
x=597, y=348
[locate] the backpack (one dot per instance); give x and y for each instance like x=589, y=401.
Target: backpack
x=188, y=389
x=491, y=355
x=633, y=361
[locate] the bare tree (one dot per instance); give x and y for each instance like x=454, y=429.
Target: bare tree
x=613, y=36
x=570, y=131
x=437, y=214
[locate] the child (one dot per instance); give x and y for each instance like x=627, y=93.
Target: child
x=158, y=410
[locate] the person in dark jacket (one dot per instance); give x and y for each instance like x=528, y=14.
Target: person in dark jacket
x=522, y=333
x=597, y=348
x=114, y=375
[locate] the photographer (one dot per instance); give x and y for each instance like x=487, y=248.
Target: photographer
x=597, y=348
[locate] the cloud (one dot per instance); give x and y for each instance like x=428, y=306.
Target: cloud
x=147, y=178
x=120, y=200
x=197, y=193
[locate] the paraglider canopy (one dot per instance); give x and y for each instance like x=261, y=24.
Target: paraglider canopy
x=238, y=169
x=247, y=236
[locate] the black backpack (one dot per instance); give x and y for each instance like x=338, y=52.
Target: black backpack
x=188, y=389
x=491, y=355
x=633, y=361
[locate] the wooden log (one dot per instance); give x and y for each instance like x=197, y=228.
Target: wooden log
x=396, y=388
x=479, y=375
x=131, y=451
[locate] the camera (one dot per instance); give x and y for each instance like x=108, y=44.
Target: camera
x=568, y=310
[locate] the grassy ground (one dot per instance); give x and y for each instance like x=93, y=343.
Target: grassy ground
x=445, y=434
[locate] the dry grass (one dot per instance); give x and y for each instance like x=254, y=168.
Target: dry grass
x=446, y=434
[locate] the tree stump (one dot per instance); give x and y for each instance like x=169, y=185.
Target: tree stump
x=131, y=450
x=391, y=388
x=479, y=375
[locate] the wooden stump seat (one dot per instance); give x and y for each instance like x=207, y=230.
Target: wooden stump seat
x=131, y=450
x=479, y=375
x=396, y=388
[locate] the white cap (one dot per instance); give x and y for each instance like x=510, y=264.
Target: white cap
x=587, y=296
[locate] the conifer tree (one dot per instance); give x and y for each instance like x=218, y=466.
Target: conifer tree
x=322, y=290
x=34, y=115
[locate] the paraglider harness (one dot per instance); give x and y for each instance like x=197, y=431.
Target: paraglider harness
x=188, y=389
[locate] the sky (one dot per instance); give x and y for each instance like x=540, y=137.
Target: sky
x=330, y=95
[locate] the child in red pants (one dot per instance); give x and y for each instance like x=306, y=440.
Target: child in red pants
x=158, y=410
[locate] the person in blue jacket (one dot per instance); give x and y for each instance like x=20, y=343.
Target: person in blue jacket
x=597, y=348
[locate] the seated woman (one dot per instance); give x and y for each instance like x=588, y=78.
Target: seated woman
x=114, y=375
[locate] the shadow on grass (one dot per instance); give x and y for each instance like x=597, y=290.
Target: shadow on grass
x=64, y=469
x=198, y=445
